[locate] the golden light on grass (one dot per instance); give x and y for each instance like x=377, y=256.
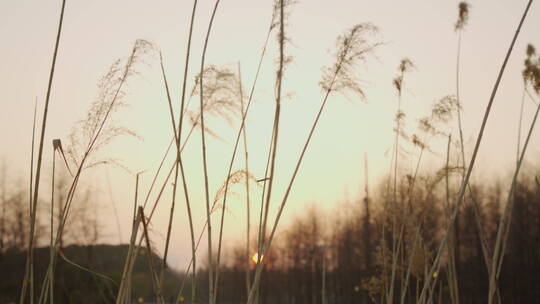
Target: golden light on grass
x=255, y=258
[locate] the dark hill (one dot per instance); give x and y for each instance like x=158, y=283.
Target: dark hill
x=73, y=285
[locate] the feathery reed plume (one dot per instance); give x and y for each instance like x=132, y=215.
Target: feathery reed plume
x=353, y=47
x=93, y=127
x=443, y=243
x=526, y=74
x=463, y=16
x=214, y=105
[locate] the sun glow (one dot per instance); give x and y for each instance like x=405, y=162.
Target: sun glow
x=255, y=257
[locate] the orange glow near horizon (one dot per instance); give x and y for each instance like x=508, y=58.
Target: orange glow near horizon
x=255, y=257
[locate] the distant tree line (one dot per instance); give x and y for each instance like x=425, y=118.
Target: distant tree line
x=350, y=250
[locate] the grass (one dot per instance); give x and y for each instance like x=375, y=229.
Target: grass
x=404, y=253
x=29, y=271
x=463, y=186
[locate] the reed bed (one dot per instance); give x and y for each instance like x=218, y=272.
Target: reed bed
x=409, y=266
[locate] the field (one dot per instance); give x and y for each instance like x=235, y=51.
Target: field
x=281, y=152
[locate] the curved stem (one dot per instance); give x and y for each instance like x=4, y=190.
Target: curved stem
x=463, y=186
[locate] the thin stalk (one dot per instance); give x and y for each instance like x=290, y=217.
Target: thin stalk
x=178, y=162
x=122, y=290
x=92, y=141
x=191, y=261
x=506, y=219
x=109, y=189
x=390, y=297
x=173, y=202
x=246, y=166
x=203, y=144
x=407, y=276
x=273, y=144
x=452, y=277
x=260, y=238
x=31, y=208
x=240, y=132
x=462, y=146
x=483, y=242
x=279, y=82
x=181, y=291
x=258, y=268
x=263, y=210
x=459, y=104
x=29, y=280
x=473, y=158
x=402, y=229
x=32, y=158
x=136, y=195
x=520, y=122
x=155, y=279
x=154, y=179
x=3, y=218
x=51, y=290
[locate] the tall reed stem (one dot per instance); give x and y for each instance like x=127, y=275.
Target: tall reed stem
x=203, y=144
x=463, y=187
x=506, y=218
x=28, y=278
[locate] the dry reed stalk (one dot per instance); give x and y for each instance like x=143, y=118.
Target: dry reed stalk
x=239, y=133
x=504, y=226
x=405, y=66
x=155, y=278
x=178, y=162
x=452, y=277
x=444, y=241
x=51, y=294
x=203, y=144
x=122, y=296
x=246, y=168
x=463, y=18
x=93, y=126
x=179, y=165
x=352, y=48
x=29, y=271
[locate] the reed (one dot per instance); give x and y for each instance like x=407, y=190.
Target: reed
x=532, y=75
x=443, y=243
x=353, y=47
x=29, y=271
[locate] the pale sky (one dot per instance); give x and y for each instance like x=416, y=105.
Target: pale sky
x=96, y=32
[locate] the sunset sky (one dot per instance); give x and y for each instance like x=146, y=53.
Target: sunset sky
x=97, y=32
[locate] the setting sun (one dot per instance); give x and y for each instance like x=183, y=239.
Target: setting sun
x=255, y=257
